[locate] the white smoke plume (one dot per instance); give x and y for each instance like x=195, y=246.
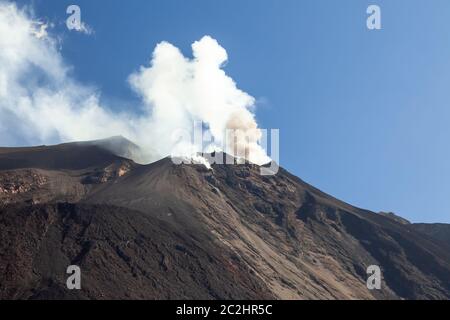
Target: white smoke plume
x=41, y=103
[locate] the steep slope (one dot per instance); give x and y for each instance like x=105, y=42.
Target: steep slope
x=227, y=232
x=123, y=254
x=438, y=231
x=300, y=241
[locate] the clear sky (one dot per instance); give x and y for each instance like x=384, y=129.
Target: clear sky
x=363, y=115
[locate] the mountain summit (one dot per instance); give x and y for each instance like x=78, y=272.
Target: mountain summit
x=166, y=231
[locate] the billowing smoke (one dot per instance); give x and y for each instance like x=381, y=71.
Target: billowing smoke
x=41, y=103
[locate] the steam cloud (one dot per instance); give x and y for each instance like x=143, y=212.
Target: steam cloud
x=41, y=103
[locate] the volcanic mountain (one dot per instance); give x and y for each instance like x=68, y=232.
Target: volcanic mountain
x=166, y=231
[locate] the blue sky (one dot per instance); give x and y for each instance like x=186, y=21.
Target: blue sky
x=363, y=115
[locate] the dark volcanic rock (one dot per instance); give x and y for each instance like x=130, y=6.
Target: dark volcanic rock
x=123, y=254
x=438, y=231
x=165, y=231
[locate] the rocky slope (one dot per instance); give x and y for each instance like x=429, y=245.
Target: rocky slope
x=437, y=231
x=166, y=231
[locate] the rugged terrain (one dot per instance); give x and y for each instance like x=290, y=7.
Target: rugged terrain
x=166, y=231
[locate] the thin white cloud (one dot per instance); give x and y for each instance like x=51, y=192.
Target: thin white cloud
x=38, y=95
x=41, y=30
x=85, y=28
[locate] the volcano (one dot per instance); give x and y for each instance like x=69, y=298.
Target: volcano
x=166, y=231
